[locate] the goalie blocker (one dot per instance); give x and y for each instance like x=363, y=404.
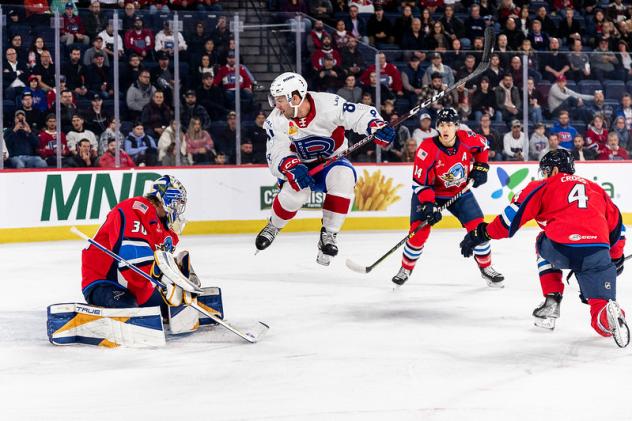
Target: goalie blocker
x=77, y=323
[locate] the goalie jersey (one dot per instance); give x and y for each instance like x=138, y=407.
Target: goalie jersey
x=318, y=136
x=134, y=231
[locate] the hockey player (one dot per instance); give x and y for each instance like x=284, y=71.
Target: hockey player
x=441, y=170
x=582, y=231
x=304, y=129
x=135, y=229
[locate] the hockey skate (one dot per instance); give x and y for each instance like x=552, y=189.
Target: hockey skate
x=402, y=276
x=327, y=248
x=548, y=311
x=493, y=278
x=266, y=236
x=618, y=325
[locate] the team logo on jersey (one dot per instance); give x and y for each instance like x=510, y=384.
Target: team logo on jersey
x=292, y=129
x=313, y=147
x=455, y=176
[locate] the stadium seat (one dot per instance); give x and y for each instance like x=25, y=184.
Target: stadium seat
x=589, y=87
x=543, y=88
x=614, y=89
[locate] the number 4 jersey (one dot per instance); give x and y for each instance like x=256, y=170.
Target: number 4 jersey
x=570, y=209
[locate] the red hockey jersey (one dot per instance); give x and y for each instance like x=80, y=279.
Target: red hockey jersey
x=441, y=172
x=133, y=231
x=570, y=209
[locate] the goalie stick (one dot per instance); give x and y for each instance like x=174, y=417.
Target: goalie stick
x=356, y=267
x=250, y=337
x=482, y=66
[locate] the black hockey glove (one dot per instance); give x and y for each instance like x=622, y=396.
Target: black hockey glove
x=479, y=173
x=619, y=264
x=474, y=238
x=429, y=212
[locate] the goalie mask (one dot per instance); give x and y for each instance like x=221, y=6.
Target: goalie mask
x=173, y=197
x=285, y=85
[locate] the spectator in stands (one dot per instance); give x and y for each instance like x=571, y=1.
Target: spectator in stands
x=100, y=77
x=196, y=39
x=367, y=98
x=75, y=73
x=426, y=22
x=437, y=40
x=494, y=72
x=226, y=142
x=436, y=66
x=554, y=143
x=206, y=66
x=379, y=28
x=22, y=144
x=225, y=78
x=34, y=117
x=141, y=147
x=37, y=12
x=350, y=92
x=435, y=87
x=502, y=49
x=72, y=29
x=389, y=75
x=68, y=109
x=516, y=144
x=352, y=60
x=508, y=103
x=294, y=6
x=39, y=96
x=625, y=60
x=167, y=147
x=14, y=74
x=596, y=134
x=603, y=64
x=165, y=40
x=21, y=51
x=83, y=157
x=248, y=156
x=555, y=64
x=199, y=144
x=96, y=118
x=452, y=25
x=97, y=47
x=613, y=151
x=221, y=159
x=318, y=56
x=35, y=52
x=329, y=78
x=494, y=141
x=483, y=100
x=413, y=38
x=130, y=72
x=563, y=98
x=625, y=110
x=191, y=109
x=341, y=35
x=623, y=133
x=315, y=38
x=505, y=10
x=162, y=76
x=569, y=26
x=523, y=20
x=564, y=130
x=402, y=24
x=47, y=140
x=535, y=102
x=355, y=23
x=475, y=25
x=548, y=25
x=513, y=33
x=107, y=35
x=221, y=34
x=138, y=39
x=580, y=152
x=425, y=129
x=538, y=143
x=129, y=16
x=207, y=96
x=320, y=9
x=412, y=79
x=79, y=132
x=111, y=132
x=139, y=94
x=539, y=39
x=108, y=159
x=455, y=56
x=45, y=71
x=96, y=20
x=259, y=137
x=466, y=70
x=156, y=115
x=408, y=151
x=578, y=61
x=599, y=106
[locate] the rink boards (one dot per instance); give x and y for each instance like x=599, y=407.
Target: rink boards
x=42, y=205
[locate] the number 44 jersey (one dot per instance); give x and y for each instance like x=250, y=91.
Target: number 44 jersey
x=570, y=209
x=319, y=135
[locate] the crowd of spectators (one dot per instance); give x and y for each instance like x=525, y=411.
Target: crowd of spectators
x=147, y=41
x=578, y=67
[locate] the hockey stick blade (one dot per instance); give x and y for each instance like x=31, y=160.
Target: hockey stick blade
x=356, y=267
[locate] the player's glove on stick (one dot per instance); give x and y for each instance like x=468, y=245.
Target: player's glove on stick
x=474, y=238
x=619, y=264
x=479, y=173
x=429, y=212
x=297, y=173
x=384, y=134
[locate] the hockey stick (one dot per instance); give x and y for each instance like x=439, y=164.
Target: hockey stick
x=250, y=337
x=482, y=66
x=572, y=272
x=366, y=269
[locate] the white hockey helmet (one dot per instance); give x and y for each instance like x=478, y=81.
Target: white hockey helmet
x=285, y=85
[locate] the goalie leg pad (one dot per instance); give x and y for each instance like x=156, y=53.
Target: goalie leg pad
x=72, y=323
x=211, y=300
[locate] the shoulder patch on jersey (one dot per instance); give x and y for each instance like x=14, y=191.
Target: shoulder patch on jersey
x=140, y=206
x=292, y=129
x=422, y=154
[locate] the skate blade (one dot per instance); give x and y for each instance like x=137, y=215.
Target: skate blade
x=323, y=259
x=545, y=323
x=620, y=329
x=497, y=285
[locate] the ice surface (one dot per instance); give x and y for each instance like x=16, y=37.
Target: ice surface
x=342, y=345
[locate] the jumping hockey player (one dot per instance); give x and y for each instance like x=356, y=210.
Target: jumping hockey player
x=304, y=129
x=582, y=231
x=441, y=170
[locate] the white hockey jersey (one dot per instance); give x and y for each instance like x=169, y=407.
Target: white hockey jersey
x=320, y=135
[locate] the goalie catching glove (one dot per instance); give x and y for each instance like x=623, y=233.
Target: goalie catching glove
x=180, y=284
